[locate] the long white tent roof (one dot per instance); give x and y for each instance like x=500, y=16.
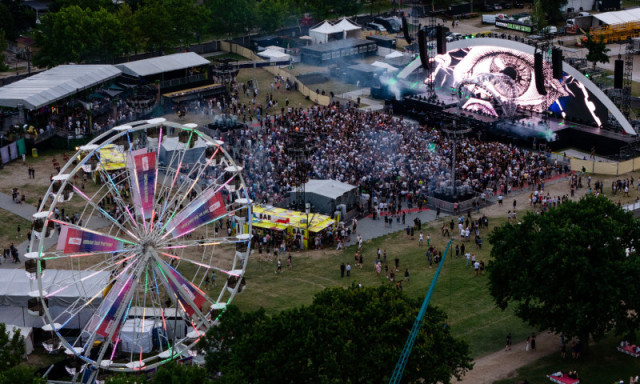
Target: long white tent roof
x=57, y=83
x=619, y=17
x=162, y=64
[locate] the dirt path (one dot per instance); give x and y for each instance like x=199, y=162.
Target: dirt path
x=504, y=364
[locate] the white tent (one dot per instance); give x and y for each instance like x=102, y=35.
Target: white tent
x=619, y=17
x=26, y=332
x=349, y=29
x=321, y=33
x=274, y=55
x=162, y=64
x=393, y=54
x=136, y=335
x=388, y=67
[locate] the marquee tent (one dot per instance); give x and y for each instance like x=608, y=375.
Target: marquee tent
x=619, y=17
x=162, y=64
x=349, y=29
x=274, y=55
x=55, y=84
x=324, y=32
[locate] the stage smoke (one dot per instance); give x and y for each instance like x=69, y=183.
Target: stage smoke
x=618, y=74
x=537, y=66
x=405, y=30
x=422, y=46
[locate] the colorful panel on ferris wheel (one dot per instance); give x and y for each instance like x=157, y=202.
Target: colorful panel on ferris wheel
x=194, y=294
x=145, y=168
x=73, y=240
x=207, y=208
x=103, y=320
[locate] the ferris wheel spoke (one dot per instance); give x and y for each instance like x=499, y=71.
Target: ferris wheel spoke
x=199, y=264
x=120, y=200
x=75, y=279
x=200, y=169
x=134, y=186
x=104, y=213
x=196, y=220
x=210, y=241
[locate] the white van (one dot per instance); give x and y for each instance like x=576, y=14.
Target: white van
x=550, y=30
x=377, y=27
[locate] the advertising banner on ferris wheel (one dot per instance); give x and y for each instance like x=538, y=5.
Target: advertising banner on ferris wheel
x=103, y=320
x=205, y=209
x=72, y=240
x=145, y=168
x=194, y=294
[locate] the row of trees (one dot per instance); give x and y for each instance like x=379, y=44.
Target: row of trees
x=99, y=31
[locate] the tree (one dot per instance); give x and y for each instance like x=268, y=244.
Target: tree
x=345, y=336
x=155, y=22
x=567, y=270
x=20, y=374
x=78, y=35
x=553, y=10
x=238, y=16
x=187, y=19
x=173, y=372
x=3, y=46
x=538, y=16
x=597, y=50
x=271, y=14
x=12, y=348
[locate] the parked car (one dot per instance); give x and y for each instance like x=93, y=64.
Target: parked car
x=376, y=27
x=506, y=5
x=497, y=7
x=518, y=4
x=454, y=36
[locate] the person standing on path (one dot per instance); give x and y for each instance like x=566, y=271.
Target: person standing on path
x=527, y=346
x=508, y=347
x=533, y=341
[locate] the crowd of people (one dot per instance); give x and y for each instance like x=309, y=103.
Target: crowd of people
x=392, y=159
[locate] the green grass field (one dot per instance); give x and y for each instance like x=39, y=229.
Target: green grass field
x=8, y=229
x=603, y=364
x=472, y=313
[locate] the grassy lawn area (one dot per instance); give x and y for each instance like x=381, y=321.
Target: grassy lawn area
x=8, y=229
x=463, y=296
x=603, y=364
x=228, y=55
x=264, y=80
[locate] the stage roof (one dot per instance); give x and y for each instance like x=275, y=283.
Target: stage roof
x=328, y=188
x=619, y=17
x=57, y=83
x=163, y=64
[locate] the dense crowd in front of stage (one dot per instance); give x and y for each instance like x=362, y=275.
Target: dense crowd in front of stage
x=391, y=158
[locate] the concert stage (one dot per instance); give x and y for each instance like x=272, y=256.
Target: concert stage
x=524, y=126
x=495, y=87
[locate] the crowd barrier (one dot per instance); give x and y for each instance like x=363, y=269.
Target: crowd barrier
x=612, y=169
x=306, y=91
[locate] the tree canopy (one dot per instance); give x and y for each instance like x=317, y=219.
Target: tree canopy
x=567, y=270
x=345, y=336
x=11, y=348
x=597, y=50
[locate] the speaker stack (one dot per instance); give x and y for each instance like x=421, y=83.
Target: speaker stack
x=405, y=30
x=441, y=39
x=422, y=46
x=618, y=73
x=556, y=62
x=539, y=73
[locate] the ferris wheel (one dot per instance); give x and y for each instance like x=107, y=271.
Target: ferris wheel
x=140, y=243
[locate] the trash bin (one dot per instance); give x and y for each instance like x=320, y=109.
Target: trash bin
x=34, y=152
